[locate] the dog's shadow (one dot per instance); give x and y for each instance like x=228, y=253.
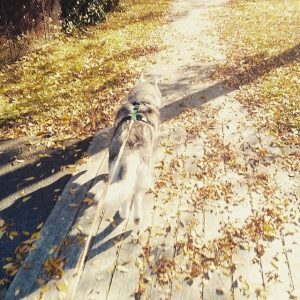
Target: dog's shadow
x=102, y=242
x=99, y=246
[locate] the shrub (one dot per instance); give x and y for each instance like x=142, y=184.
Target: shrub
x=78, y=13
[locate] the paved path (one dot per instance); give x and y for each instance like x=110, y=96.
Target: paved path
x=221, y=221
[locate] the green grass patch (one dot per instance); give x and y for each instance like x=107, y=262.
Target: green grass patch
x=263, y=53
x=71, y=86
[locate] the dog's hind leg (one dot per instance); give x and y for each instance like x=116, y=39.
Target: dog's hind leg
x=138, y=204
x=144, y=182
x=124, y=209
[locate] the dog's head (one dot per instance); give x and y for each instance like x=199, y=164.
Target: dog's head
x=144, y=91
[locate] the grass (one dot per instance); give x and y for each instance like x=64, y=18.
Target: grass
x=262, y=38
x=71, y=86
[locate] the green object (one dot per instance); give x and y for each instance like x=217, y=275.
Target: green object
x=135, y=113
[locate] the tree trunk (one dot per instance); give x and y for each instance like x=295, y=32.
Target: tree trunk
x=21, y=16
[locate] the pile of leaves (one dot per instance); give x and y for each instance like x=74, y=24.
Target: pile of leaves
x=13, y=264
x=71, y=86
x=263, y=61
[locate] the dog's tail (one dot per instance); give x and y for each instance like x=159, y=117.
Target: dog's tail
x=122, y=184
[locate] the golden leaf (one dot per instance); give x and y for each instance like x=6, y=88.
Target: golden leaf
x=2, y=223
x=12, y=234
x=88, y=201
x=3, y=281
x=45, y=288
x=40, y=225
x=25, y=199
x=62, y=287
x=30, y=178
x=19, y=161
x=11, y=269
x=72, y=191
x=54, y=266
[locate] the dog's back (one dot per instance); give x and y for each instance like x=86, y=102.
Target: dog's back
x=133, y=172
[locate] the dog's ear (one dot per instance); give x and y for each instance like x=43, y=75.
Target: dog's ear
x=142, y=78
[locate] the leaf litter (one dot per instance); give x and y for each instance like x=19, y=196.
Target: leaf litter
x=197, y=258
x=263, y=65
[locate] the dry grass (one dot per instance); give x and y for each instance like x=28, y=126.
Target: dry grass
x=71, y=86
x=262, y=38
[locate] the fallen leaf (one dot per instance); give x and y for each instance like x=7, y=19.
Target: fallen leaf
x=19, y=161
x=2, y=223
x=54, y=266
x=30, y=178
x=12, y=234
x=259, y=249
x=44, y=289
x=72, y=191
x=40, y=225
x=88, y=201
x=62, y=287
x=44, y=155
x=11, y=269
x=122, y=269
x=4, y=281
